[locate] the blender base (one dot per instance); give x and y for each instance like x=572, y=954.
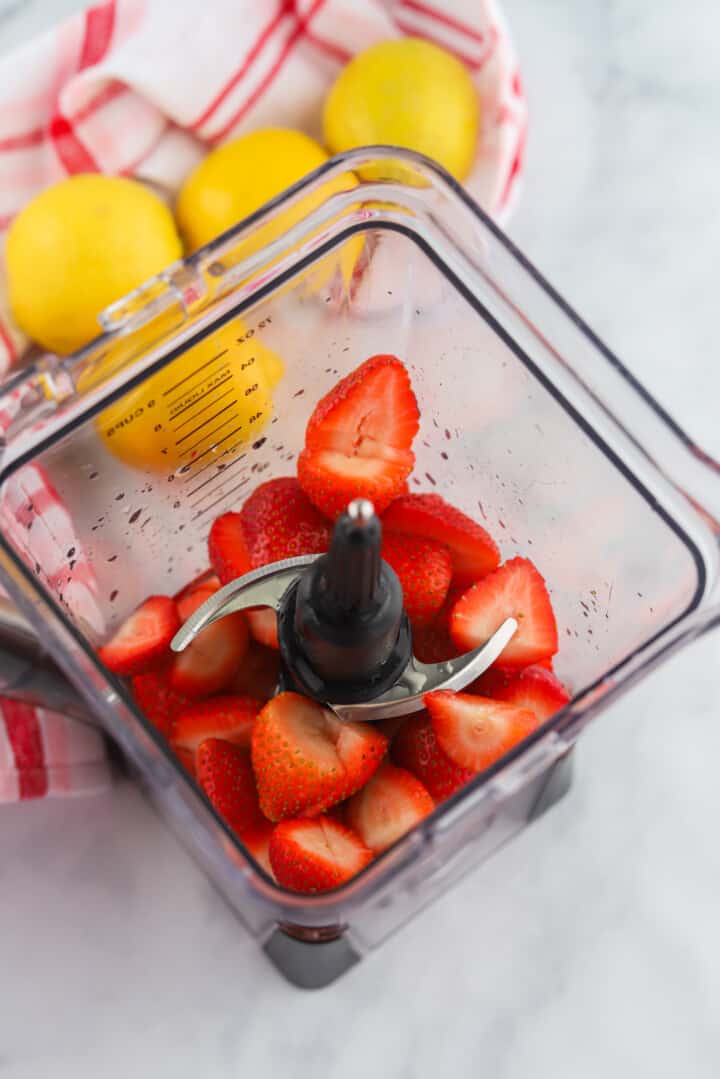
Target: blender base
x=318, y=962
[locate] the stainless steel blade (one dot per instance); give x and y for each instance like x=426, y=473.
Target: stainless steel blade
x=406, y=696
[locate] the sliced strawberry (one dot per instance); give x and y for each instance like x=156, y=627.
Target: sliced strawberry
x=515, y=590
x=306, y=760
x=432, y=642
x=258, y=673
x=225, y=774
x=157, y=699
x=228, y=550
x=387, y=807
x=475, y=732
x=416, y=748
x=279, y=521
x=424, y=568
x=534, y=687
x=358, y=439
x=263, y=626
x=209, y=663
x=229, y=718
x=315, y=855
x=474, y=553
x=142, y=641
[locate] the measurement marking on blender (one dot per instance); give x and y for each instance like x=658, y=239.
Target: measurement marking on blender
x=192, y=374
x=207, y=421
x=209, y=434
x=204, y=396
x=220, y=474
x=222, y=498
x=215, y=445
x=226, y=453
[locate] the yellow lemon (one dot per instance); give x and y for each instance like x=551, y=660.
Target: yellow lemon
x=79, y=246
x=236, y=179
x=406, y=93
x=198, y=409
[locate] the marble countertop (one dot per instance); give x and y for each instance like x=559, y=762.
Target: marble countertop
x=590, y=946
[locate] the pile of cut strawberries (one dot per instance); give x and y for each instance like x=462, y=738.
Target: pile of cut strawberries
x=315, y=799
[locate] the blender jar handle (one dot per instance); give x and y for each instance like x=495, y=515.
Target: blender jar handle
x=27, y=672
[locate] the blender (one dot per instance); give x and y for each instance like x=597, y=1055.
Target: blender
x=527, y=422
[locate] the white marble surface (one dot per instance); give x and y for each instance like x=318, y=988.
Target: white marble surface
x=589, y=947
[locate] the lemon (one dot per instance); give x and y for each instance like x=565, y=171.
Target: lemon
x=198, y=409
x=239, y=177
x=406, y=93
x=79, y=246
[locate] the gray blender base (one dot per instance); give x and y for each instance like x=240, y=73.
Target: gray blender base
x=314, y=964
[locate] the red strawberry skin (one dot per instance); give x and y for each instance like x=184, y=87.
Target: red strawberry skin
x=358, y=440
x=230, y=718
x=387, y=807
x=306, y=760
x=228, y=549
x=311, y=856
x=534, y=687
x=142, y=641
x=515, y=590
x=279, y=521
x=474, y=553
x=415, y=747
x=425, y=570
x=475, y=732
x=158, y=700
x=225, y=774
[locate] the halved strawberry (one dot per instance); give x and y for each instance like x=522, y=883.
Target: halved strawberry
x=263, y=626
x=225, y=774
x=141, y=643
x=475, y=732
x=227, y=547
x=514, y=590
x=474, y=553
x=315, y=855
x=229, y=718
x=424, y=568
x=258, y=673
x=432, y=642
x=358, y=439
x=279, y=521
x=306, y=760
x=157, y=699
x=387, y=807
x=209, y=663
x=534, y=687
x=416, y=748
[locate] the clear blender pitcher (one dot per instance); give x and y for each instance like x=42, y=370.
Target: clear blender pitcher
x=528, y=423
